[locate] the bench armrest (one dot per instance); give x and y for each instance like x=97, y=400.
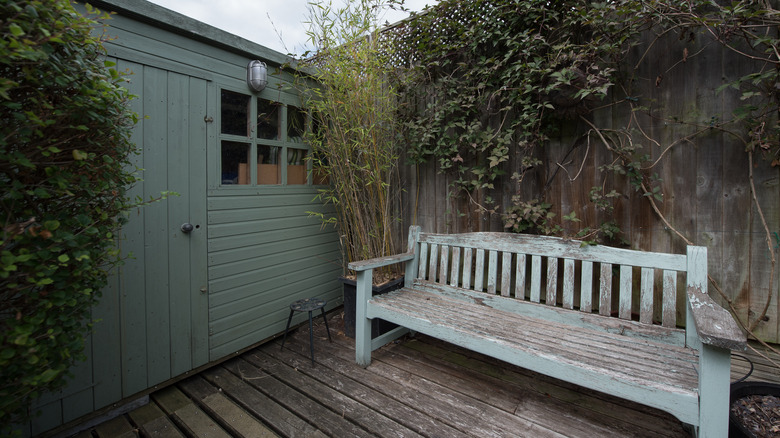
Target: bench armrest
x=714, y=325
x=378, y=262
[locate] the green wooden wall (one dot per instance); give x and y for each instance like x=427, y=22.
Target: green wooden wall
x=181, y=300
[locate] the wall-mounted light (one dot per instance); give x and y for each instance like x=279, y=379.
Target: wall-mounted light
x=256, y=75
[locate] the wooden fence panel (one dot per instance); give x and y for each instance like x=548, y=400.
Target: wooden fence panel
x=701, y=171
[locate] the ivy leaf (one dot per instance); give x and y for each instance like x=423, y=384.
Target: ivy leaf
x=16, y=30
x=79, y=155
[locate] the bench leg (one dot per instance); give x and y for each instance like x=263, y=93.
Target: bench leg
x=362, y=324
x=714, y=384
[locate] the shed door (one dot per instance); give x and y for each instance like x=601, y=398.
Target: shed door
x=164, y=300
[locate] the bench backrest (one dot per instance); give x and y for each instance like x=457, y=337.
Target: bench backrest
x=631, y=285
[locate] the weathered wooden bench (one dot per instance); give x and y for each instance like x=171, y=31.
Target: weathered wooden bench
x=600, y=317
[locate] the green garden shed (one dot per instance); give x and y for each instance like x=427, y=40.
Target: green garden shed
x=237, y=162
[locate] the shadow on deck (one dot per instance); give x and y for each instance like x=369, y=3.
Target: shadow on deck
x=417, y=387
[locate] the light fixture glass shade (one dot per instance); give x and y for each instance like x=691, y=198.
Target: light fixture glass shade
x=256, y=75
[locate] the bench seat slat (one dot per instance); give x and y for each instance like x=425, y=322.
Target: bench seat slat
x=557, y=316
x=556, y=350
x=651, y=349
x=628, y=358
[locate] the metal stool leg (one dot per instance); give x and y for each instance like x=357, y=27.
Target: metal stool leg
x=287, y=328
x=311, y=339
x=322, y=309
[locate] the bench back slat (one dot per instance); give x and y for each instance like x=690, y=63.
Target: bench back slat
x=605, y=290
x=552, y=280
x=629, y=285
x=454, y=280
x=626, y=279
x=520, y=273
x=506, y=274
x=423, y=257
x=479, y=270
x=467, y=261
x=434, y=250
x=669, y=313
x=646, y=296
x=586, y=287
x=536, y=278
x=445, y=263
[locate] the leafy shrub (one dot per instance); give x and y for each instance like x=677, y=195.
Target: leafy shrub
x=64, y=167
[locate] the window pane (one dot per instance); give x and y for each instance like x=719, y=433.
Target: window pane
x=295, y=124
x=268, y=169
x=235, y=159
x=296, y=166
x=235, y=113
x=268, y=120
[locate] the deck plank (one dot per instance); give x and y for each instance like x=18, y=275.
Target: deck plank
x=471, y=416
x=588, y=406
x=417, y=386
x=117, y=427
x=186, y=415
x=285, y=422
x=374, y=391
x=329, y=422
x=154, y=423
x=231, y=416
x=353, y=409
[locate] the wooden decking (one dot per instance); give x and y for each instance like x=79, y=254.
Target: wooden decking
x=417, y=387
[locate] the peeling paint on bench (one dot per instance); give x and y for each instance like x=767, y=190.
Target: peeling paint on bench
x=552, y=306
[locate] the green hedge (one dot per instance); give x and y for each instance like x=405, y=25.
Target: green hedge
x=64, y=166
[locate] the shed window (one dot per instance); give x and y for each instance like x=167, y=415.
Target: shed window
x=261, y=141
x=235, y=163
x=268, y=166
x=295, y=124
x=235, y=113
x=268, y=122
x=296, y=166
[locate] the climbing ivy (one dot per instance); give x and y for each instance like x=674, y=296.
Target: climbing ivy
x=493, y=80
x=64, y=168
x=492, y=77
x=489, y=74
